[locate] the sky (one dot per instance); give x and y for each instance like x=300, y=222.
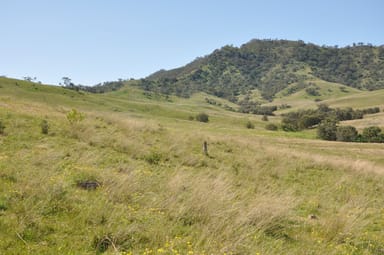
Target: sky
x=92, y=41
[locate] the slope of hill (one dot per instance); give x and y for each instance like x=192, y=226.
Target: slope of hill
x=332, y=94
x=271, y=66
x=131, y=178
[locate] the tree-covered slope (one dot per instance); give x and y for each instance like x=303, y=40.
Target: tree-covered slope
x=270, y=66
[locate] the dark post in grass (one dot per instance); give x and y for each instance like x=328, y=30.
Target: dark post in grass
x=205, y=148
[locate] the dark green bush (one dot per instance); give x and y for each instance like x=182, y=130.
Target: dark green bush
x=327, y=129
x=153, y=157
x=249, y=125
x=202, y=117
x=372, y=134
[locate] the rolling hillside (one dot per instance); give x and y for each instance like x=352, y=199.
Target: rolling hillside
x=125, y=173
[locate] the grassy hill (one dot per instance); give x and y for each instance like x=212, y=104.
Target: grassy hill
x=132, y=178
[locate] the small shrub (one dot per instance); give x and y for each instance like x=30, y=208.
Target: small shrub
x=191, y=118
x=202, y=117
x=44, y=127
x=271, y=127
x=101, y=244
x=3, y=205
x=249, y=125
x=153, y=158
x=312, y=91
x=74, y=116
x=2, y=127
x=264, y=118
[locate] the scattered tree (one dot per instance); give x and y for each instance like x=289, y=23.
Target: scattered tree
x=28, y=78
x=67, y=81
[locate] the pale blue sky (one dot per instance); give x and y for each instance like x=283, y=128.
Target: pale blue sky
x=92, y=41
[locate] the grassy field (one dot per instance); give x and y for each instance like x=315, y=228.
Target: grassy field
x=333, y=94
x=155, y=192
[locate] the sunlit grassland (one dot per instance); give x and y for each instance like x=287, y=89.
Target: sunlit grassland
x=257, y=191
x=329, y=93
x=361, y=100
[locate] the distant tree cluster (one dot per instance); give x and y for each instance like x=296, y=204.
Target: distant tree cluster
x=304, y=119
x=31, y=79
x=247, y=106
x=329, y=130
x=98, y=88
x=326, y=120
x=224, y=106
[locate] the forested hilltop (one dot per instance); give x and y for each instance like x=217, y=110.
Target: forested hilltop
x=271, y=66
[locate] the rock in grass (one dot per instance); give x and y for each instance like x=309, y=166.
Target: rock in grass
x=88, y=185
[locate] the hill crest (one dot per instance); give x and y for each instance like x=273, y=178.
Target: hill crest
x=270, y=66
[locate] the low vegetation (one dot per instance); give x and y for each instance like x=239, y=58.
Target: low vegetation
x=118, y=173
